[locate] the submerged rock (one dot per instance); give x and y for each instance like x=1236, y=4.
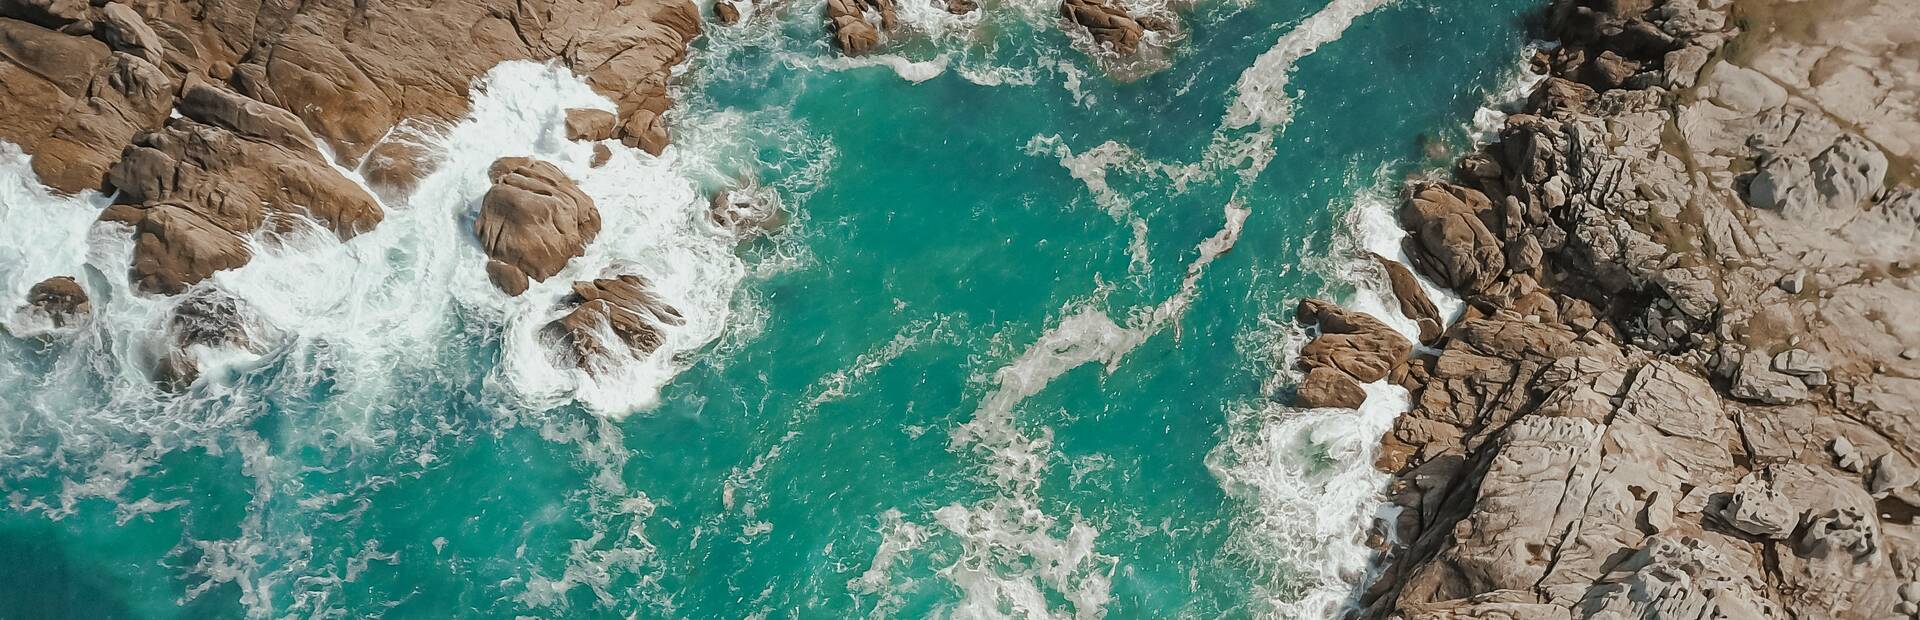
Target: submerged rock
x=204, y=323
x=747, y=212
x=532, y=221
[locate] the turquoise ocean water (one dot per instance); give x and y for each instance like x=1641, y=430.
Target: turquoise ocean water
x=993, y=366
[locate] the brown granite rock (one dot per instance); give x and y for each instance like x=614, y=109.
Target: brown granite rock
x=194, y=189
x=1110, y=24
x=1351, y=342
x=726, y=13
x=1413, y=300
x=61, y=300
x=852, y=33
x=623, y=307
x=590, y=124
x=1450, y=240
x=532, y=221
x=1329, y=387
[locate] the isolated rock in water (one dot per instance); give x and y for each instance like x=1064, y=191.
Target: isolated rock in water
x=747, y=212
x=1110, y=24
x=1413, y=299
x=852, y=33
x=623, y=308
x=590, y=124
x=726, y=13
x=532, y=221
x=1352, y=342
x=1329, y=387
x=961, y=7
x=61, y=300
x=1450, y=239
x=205, y=319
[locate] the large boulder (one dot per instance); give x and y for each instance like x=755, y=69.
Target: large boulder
x=1109, y=23
x=1450, y=239
x=1329, y=387
x=1351, y=342
x=60, y=301
x=609, y=315
x=852, y=32
x=532, y=221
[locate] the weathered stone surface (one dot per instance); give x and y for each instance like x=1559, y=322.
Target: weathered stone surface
x=60, y=300
x=623, y=308
x=852, y=32
x=532, y=221
x=1329, y=387
x=1450, y=239
x=227, y=166
x=1566, y=454
x=1110, y=24
x=1351, y=342
x=1413, y=299
x=590, y=124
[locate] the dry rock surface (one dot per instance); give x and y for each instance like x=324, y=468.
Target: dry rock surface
x=1687, y=378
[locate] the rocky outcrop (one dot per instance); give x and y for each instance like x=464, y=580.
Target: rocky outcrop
x=611, y=317
x=271, y=98
x=1109, y=24
x=1413, y=299
x=1683, y=366
x=853, y=32
x=532, y=221
x=60, y=301
x=1349, y=349
x=194, y=189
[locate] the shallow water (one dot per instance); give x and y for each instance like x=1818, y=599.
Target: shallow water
x=1013, y=355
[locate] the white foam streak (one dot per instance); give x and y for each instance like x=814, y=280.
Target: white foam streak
x=1012, y=555
x=1262, y=96
x=915, y=71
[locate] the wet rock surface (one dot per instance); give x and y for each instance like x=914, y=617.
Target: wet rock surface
x=532, y=221
x=1679, y=390
x=270, y=98
x=618, y=316
x=60, y=300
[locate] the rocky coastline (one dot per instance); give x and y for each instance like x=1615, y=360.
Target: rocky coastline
x=1686, y=378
